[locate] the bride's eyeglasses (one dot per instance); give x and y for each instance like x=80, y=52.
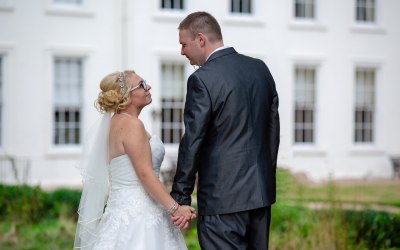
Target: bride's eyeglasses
x=142, y=84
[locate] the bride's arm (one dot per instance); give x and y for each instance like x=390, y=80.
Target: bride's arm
x=137, y=146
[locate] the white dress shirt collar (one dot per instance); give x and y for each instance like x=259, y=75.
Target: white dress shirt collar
x=217, y=49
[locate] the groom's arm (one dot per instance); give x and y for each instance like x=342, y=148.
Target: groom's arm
x=274, y=124
x=196, y=117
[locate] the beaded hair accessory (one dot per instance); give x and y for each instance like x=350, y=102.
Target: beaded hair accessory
x=121, y=80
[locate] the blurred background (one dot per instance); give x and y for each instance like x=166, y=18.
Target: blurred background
x=336, y=67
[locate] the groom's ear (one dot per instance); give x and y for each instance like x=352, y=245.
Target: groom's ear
x=202, y=39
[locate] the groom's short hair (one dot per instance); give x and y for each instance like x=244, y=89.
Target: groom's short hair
x=202, y=22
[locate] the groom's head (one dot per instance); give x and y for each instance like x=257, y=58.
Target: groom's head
x=202, y=22
x=199, y=35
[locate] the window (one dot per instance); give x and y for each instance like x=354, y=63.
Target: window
x=172, y=4
x=365, y=11
x=1, y=99
x=364, y=105
x=304, y=9
x=241, y=6
x=68, y=78
x=172, y=101
x=304, y=115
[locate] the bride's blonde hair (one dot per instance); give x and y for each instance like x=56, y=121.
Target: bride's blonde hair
x=114, y=95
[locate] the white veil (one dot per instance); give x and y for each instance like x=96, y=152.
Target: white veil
x=93, y=166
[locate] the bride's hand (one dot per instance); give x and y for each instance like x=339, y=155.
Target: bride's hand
x=183, y=215
x=185, y=211
x=180, y=221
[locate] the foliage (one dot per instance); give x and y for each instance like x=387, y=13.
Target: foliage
x=379, y=230
x=295, y=226
x=34, y=219
x=47, y=234
x=21, y=203
x=191, y=236
x=25, y=204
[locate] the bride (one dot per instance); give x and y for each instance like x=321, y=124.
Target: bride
x=124, y=205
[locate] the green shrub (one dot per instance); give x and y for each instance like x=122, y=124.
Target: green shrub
x=63, y=202
x=25, y=204
x=378, y=230
x=21, y=203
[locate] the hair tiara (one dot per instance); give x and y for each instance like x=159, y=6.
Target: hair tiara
x=121, y=79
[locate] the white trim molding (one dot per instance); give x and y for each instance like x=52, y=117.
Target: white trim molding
x=7, y=54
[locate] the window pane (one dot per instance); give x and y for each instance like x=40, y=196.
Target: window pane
x=365, y=10
x=241, y=6
x=308, y=135
x=67, y=131
x=68, y=81
x=304, y=9
x=172, y=101
x=172, y=4
x=304, y=104
x=364, y=105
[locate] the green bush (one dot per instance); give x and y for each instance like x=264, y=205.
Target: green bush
x=25, y=204
x=21, y=203
x=63, y=202
x=378, y=230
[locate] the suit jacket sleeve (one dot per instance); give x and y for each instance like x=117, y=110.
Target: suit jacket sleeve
x=274, y=127
x=196, y=117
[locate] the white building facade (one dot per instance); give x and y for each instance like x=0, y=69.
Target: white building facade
x=336, y=65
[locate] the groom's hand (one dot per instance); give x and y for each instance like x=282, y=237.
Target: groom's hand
x=193, y=213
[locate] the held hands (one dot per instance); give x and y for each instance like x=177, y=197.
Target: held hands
x=182, y=215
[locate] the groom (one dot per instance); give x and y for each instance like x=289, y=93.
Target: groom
x=231, y=139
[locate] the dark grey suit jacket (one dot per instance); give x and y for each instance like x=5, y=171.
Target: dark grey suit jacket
x=231, y=136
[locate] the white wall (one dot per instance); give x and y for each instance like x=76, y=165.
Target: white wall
x=114, y=35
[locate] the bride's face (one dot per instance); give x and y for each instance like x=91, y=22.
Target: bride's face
x=140, y=91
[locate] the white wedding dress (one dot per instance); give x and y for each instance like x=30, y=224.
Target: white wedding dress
x=132, y=219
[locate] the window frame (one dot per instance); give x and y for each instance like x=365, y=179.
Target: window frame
x=305, y=18
x=182, y=4
x=368, y=27
x=372, y=107
x=78, y=106
x=315, y=24
x=239, y=4
x=374, y=8
x=314, y=68
x=172, y=123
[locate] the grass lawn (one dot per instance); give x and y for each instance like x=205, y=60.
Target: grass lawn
x=46, y=235
x=367, y=192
